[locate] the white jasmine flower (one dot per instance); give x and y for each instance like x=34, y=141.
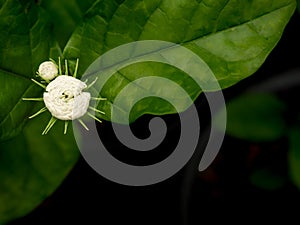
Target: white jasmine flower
x=65, y=99
x=64, y=96
x=48, y=70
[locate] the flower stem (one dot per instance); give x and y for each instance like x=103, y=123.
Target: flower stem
x=91, y=84
x=32, y=99
x=38, y=83
x=38, y=113
x=66, y=126
x=94, y=117
x=66, y=67
x=49, y=125
x=83, y=124
x=98, y=99
x=59, y=66
x=76, y=68
x=96, y=110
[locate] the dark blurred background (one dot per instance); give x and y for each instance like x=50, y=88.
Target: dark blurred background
x=222, y=192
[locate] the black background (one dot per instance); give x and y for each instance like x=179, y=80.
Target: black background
x=222, y=192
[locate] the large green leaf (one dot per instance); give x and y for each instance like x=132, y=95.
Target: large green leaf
x=232, y=37
x=256, y=117
x=32, y=166
x=25, y=41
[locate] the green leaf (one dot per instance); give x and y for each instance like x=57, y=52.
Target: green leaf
x=294, y=156
x=298, y=4
x=65, y=16
x=25, y=41
x=256, y=117
x=267, y=179
x=32, y=166
x=232, y=37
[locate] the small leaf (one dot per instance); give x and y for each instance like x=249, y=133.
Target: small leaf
x=256, y=117
x=232, y=37
x=267, y=179
x=32, y=166
x=294, y=156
